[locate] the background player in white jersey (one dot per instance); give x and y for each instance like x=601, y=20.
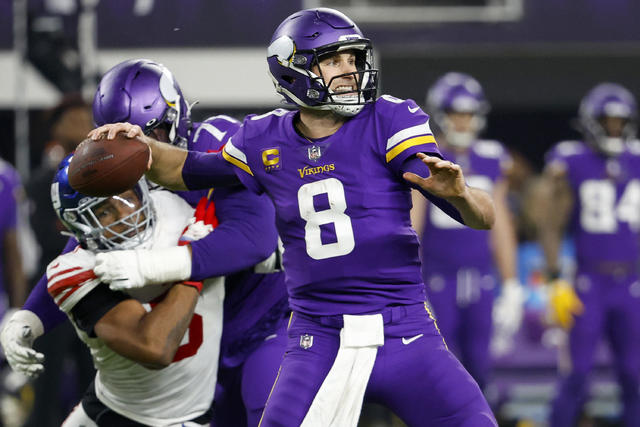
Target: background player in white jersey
x=460, y=277
x=154, y=349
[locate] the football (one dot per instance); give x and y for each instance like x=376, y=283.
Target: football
x=107, y=167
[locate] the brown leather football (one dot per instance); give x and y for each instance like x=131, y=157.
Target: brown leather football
x=108, y=166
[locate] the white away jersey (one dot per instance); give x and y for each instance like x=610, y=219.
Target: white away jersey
x=185, y=389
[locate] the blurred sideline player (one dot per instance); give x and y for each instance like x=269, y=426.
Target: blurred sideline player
x=460, y=276
x=59, y=388
x=152, y=349
x=336, y=170
x=594, y=194
x=13, y=283
x=256, y=308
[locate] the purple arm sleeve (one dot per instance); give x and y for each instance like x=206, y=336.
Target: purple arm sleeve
x=246, y=234
x=41, y=303
x=206, y=170
x=415, y=165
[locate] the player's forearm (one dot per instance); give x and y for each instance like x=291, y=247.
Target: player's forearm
x=40, y=302
x=550, y=241
x=503, y=235
x=206, y=170
x=150, y=338
x=17, y=283
x=166, y=168
x=475, y=207
x=164, y=327
x=554, y=203
x=246, y=235
x=42, y=305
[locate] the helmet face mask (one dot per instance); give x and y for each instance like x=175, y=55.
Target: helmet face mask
x=301, y=42
x=458, y=94
x=144, y=93
x=607, y=118
x=124, y=221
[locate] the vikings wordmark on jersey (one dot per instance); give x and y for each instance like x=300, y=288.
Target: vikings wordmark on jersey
x=336, y=199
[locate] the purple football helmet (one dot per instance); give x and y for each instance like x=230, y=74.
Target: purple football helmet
x=458, y=93
x=144, y=93
x=608, y=100
x=299, y=43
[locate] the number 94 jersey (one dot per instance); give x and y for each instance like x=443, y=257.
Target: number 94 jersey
x=342, y=205
x=606, y=192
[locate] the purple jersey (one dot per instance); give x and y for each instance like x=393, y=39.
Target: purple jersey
x=207, y=137
x=483, y=165
x=254, y=303
x=606, y=191
x=9, y=188
x=342, y=205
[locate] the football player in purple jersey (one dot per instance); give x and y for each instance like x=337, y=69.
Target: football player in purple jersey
x=594, y=195
x=460, y=276
x=13, y=285
x=339, y=169
x=145, y=93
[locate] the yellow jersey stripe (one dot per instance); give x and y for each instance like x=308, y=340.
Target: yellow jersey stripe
x=410, y=132
x=236, y=162
x=425, y=139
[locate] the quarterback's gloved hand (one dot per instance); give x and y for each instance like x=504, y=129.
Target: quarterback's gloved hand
x=564, y=303
x=20, y=329
x=507, y=316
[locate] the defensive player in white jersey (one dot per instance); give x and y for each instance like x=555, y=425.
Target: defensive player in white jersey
x=154, y=349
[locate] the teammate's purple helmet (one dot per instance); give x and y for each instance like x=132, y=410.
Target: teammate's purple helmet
x=144, y=93
x=298, y=44
x=457, y=93
x=608, y=100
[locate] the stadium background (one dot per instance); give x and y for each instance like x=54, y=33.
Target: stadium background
x=534, y=58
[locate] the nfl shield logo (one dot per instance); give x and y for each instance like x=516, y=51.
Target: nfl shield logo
x=314, y=152
x=306, y=341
